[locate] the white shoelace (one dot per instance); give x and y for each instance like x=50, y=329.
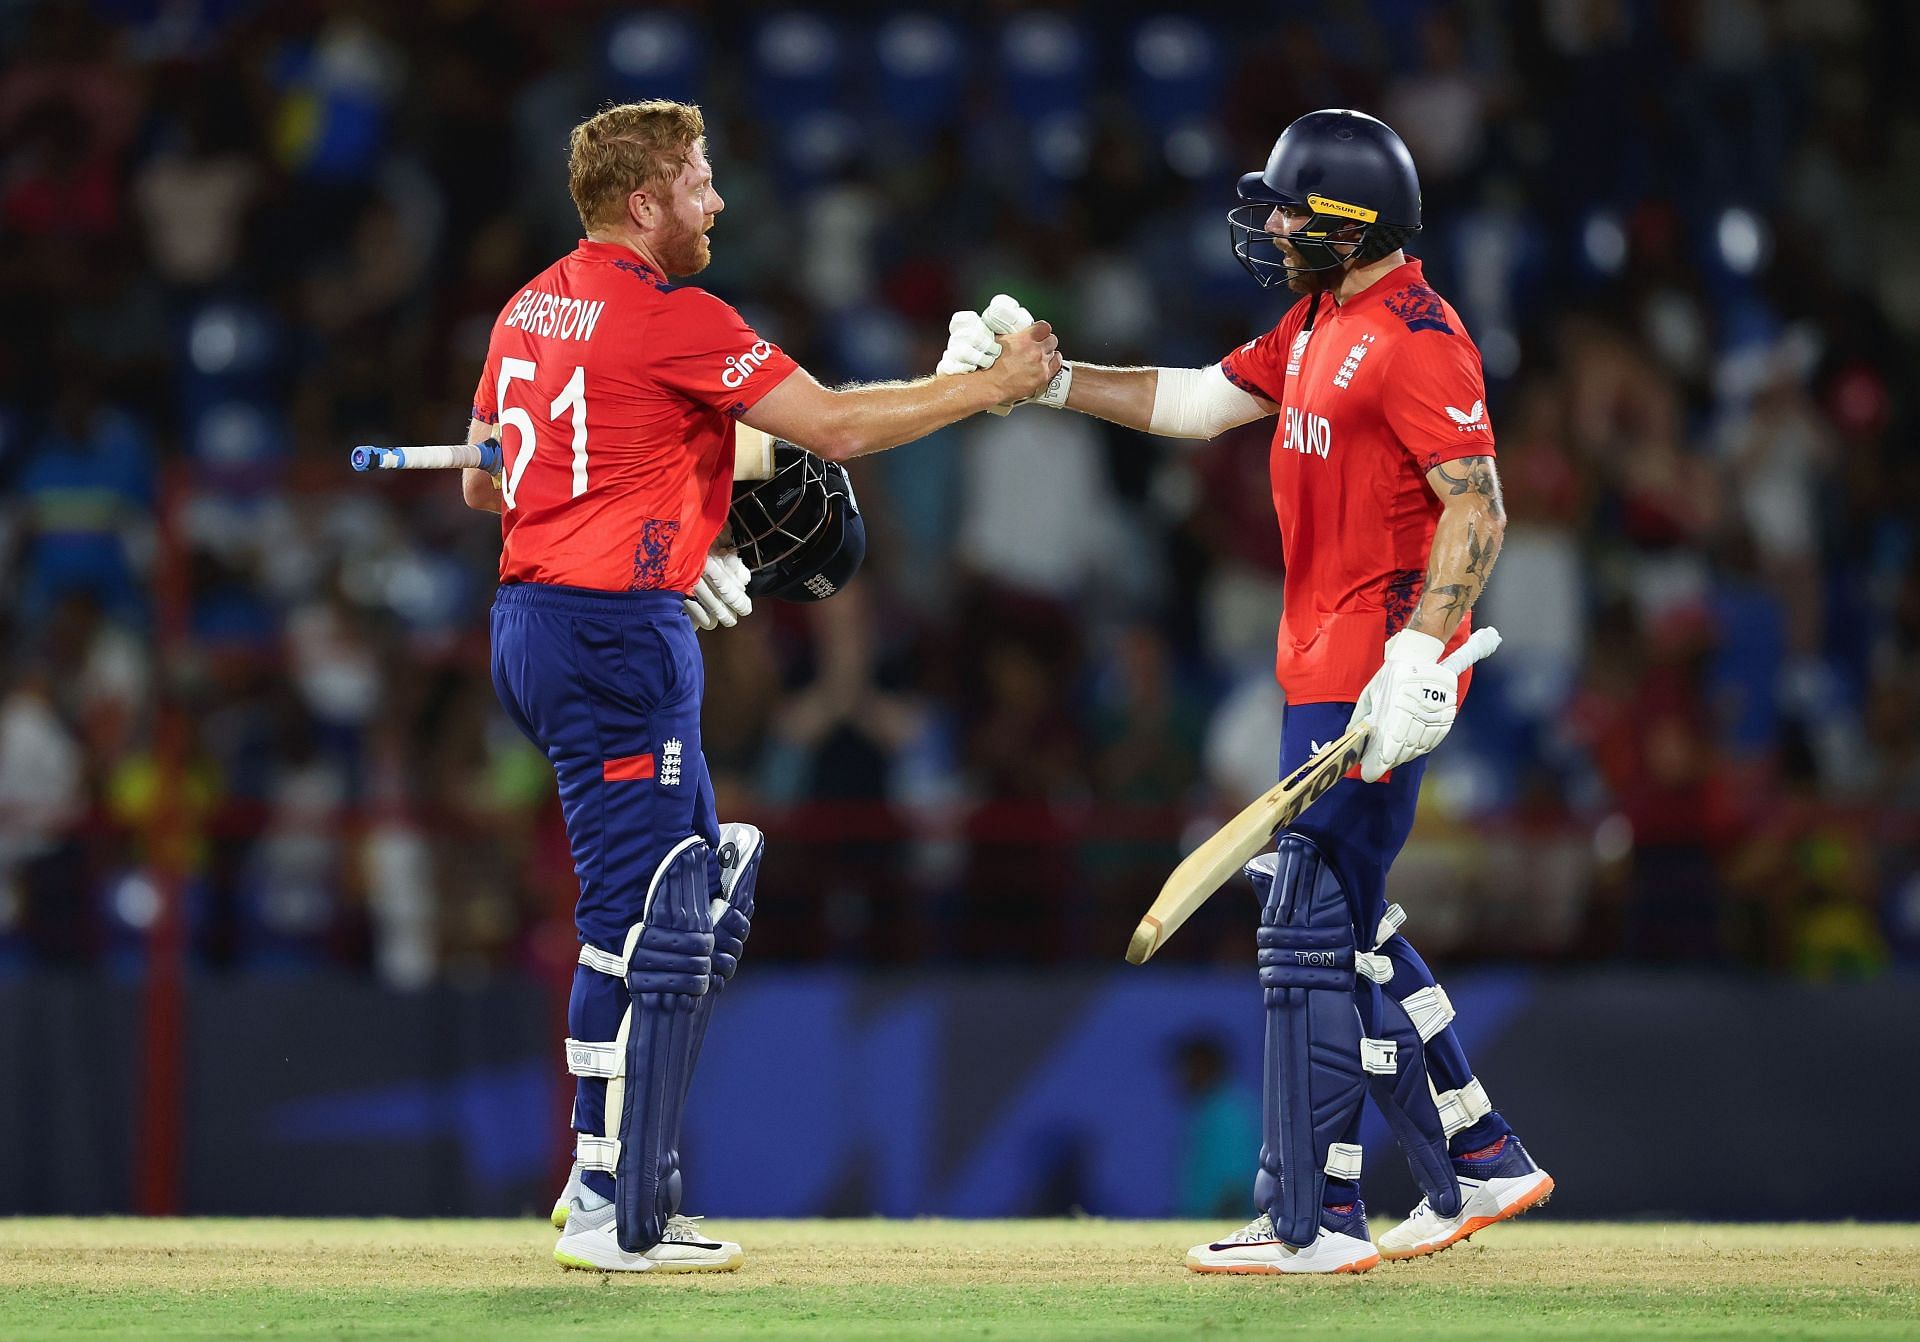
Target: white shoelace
x=1257, y=1231
x=682, y=1230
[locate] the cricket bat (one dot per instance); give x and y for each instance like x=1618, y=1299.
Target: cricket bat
x=752, y=453
x=1209, y=866
x=752, y=456
x=429, y=457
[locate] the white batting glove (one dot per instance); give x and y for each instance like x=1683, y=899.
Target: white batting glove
x=1411, y=702
x=1004, y=315
x=719, y=599
x=970, y=345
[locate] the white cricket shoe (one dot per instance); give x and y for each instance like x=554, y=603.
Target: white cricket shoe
x=575, y=1191
x=1507, y=1183
x=1341, y=1247
x=589, y=1242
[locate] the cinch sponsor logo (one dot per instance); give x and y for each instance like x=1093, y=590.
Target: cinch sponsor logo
x=1308, y=433
x=545, y=314
x=740, y=367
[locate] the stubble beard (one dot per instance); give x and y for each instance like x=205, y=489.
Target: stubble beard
x=1310, y=281
x=1305, y=282
x=687, y=253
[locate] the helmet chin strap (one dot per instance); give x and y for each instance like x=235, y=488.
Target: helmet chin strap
x=1320, y=253
x=1376, y=242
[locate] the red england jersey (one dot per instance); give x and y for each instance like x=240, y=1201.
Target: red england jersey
x=1382, y=389
x=615, y=394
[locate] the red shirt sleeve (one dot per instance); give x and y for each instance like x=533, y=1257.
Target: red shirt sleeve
x=706, y=351
x=1259, y=367
x=486, y=406
x=1435, y=399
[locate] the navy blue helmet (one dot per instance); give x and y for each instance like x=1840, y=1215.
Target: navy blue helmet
x=1356, y=176
x=799, y=530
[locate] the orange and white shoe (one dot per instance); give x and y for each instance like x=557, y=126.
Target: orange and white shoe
x=1341, y=1246
x=1496, y=1184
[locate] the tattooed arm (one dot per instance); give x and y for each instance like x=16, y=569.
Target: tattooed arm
x=1465, y=543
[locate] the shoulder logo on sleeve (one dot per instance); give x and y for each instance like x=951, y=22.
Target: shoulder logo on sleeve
x=1469, y=420
x=670, y=762
x=1420, y=308
x=740, y=367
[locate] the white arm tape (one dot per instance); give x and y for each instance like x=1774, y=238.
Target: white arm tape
x=1200, y=403
x=1343, y=1160
x=587, y=1058
x=1430, y=1010
x=597, y=1153
x=1461, y=1109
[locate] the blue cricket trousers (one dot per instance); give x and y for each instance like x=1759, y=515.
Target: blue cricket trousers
x=609, y=685
x=1360, y=827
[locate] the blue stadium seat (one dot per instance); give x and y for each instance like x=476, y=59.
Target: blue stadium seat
x=797, y=62
x=921, y=63
x=655, y=56
x=1046, y=66
x=1174, y=68
x=228, y=348
x=799, y=76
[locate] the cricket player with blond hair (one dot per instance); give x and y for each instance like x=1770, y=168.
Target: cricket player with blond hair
x=1391, y=518
x=614, y=392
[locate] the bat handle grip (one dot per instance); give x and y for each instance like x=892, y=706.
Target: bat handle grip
x=1481, y=643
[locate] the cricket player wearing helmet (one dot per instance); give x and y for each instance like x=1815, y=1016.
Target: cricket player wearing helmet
x=614, y=393
x=1391, y=519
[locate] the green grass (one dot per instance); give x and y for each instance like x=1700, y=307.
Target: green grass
x=473, y=1280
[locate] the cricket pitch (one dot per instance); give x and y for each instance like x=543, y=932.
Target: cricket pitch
x=912, y=1279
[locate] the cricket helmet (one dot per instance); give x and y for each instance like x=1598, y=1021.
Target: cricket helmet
x=799, y=531
x=1352, y=171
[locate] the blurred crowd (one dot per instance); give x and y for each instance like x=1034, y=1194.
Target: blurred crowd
x=238, y=237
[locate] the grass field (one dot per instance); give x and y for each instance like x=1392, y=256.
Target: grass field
x=911, y=1279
